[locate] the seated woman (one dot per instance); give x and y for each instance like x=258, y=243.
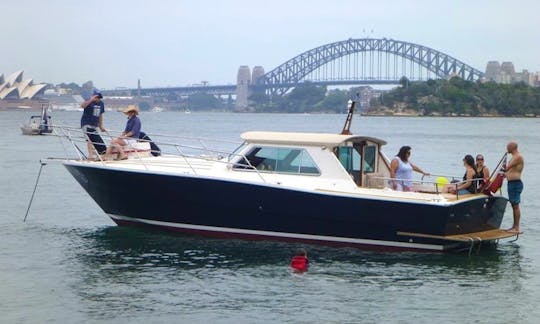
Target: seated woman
x=468, y=185
x=481, y=172
x=129, y=136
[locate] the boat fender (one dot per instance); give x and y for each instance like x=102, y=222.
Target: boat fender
x=300, y=262
x=494, y=185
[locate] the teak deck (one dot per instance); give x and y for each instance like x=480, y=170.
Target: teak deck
x=490, y=235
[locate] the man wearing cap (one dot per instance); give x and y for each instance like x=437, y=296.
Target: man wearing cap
x=130, y=135
x=91, y=119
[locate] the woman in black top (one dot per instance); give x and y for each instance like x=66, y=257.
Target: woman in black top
x=481, y=172
x=467, y=186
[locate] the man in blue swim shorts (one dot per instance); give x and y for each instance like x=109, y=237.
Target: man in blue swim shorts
x=514, y=168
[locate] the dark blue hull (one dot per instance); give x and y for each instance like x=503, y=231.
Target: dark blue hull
x=232, y=209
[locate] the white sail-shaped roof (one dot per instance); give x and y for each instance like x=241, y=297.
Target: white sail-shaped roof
x=14, y=78
x=22, y=85
x=32, y=91
x=15, y=87
x=11, y=92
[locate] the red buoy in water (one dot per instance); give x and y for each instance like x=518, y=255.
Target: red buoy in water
x=300, y=262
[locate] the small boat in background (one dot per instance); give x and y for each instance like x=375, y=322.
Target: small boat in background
x=157, y=109
x=38, y=124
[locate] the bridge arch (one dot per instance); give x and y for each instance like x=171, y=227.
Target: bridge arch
x=282, y=78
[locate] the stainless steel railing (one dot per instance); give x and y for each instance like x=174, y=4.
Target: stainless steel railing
x=76, y=136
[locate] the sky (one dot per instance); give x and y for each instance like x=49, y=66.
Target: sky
x=178, y=43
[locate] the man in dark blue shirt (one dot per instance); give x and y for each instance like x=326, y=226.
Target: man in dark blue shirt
x=129, y=136
x=91, y=119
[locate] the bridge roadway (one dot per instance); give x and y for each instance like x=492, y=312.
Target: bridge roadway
x=217, y=90
x=230, y=89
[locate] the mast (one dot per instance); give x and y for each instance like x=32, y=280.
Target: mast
x=347, y=126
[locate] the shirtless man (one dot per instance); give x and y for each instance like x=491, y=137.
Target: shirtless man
x=515, y=186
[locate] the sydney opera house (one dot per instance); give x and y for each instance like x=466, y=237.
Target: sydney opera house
x=16, y=90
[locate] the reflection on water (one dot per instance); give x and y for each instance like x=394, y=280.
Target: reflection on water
x=127, y=247
x=118, y=246
x=138, y=272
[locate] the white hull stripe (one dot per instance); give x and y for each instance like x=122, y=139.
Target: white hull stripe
x=282, y=234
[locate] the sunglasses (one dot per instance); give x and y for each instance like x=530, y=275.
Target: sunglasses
x=479, y=159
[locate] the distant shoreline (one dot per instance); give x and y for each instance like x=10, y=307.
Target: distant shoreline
x=445, y=115
x=364, y=114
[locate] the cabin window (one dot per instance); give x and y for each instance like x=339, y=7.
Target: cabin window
x=279, y=160
x=369, y=158
x=234, y=154
x=358, y=159
x=267, y=157
x=349, y=158
x=305, y=163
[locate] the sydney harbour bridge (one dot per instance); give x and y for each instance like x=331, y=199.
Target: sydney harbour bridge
x=365, y=61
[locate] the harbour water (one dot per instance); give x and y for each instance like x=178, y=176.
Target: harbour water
x=70, y=264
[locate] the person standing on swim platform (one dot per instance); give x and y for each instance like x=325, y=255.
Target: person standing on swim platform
x=92, y=118
x=513, y=171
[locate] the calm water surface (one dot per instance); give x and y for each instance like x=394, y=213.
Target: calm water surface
x=69, y=263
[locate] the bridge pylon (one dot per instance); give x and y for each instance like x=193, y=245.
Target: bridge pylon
x=243, y=83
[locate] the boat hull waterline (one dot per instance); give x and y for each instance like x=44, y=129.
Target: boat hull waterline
x=233, y=209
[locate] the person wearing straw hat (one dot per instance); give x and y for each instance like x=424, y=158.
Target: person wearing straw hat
x=129, y=136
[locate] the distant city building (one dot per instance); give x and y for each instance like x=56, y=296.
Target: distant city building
x=493, y=70
x=365, y=94
x=508, y=68
x=506, y=73
x=15, y=87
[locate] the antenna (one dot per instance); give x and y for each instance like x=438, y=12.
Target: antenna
x=347, y=126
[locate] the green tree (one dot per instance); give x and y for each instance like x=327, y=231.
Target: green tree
x=203, y=101
x=301, y=99
x=404, y=82
x=465, y=97
x=334, y=101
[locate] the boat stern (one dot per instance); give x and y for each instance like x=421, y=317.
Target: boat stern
x=476, y=215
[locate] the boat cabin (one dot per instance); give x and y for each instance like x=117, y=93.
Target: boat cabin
x=358, y=158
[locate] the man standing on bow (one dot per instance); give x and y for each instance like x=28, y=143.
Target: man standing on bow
x=91, y=119
x=513, y=172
